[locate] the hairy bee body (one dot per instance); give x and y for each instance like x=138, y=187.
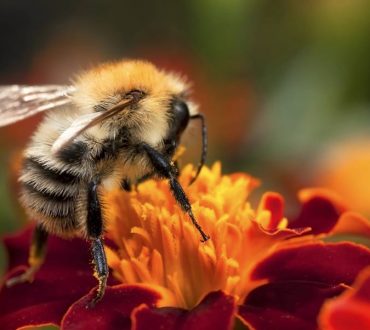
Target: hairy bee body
x=54, y=187
x=122, y=122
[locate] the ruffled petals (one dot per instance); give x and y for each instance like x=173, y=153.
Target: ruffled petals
x=65, y=277
x=281, y=273
x=351, y=309
x=331, y=264
x=287, y=305
x=112, y=312
x=320, y=211
x=215, y=311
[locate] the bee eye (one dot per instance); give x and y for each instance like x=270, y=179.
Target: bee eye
x=181, y=116
x=136, y=94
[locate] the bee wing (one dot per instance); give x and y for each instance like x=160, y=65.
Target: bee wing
x=18, y=102
x=84, y=122
x=77, y=127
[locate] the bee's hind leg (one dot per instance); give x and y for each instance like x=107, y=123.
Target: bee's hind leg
x=36, y=257
x=95, y=232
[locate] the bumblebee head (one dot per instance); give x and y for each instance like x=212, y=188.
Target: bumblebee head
x=161, y=112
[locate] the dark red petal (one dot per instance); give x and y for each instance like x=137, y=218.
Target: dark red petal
x=331, y=264
x=286, y=305
x=215, y=311
x=320, y=211
x=350, y=310
x=112, y=312
x=65, y=277
x=17, y=247
x=158, y=318
x=274, y=203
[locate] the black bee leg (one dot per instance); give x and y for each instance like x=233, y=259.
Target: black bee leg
x=176, y=168
x=36, y=257
x=165, y=169
x=95, y=231
x=101, y=269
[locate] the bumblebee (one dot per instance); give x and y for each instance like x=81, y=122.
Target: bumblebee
x=118, y=124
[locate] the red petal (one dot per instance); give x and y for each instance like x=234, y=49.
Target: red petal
x=17, y=247
x=112, y=312
x=65, y=277
x=325, y=263
x=350, y=310
x=274, y=203
x=286, y=305
x=215, y=311
x=320, y=211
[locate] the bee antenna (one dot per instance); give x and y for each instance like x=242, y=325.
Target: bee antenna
x=203, y=157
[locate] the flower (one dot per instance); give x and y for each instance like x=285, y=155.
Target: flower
x=351, y=309
x=158, y=245
x=258, y=267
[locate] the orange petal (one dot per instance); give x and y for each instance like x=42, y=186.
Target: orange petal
x=274, y=203
x=352, y=223
x=351, y=309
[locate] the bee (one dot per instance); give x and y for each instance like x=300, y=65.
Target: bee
x=118, y=124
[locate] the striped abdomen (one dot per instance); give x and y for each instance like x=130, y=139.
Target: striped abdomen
x=51, y=195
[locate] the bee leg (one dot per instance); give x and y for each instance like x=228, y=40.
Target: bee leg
x=101, y=269
x=176, y=168
x=168, y=171
x=36, y=257
x=95, y=232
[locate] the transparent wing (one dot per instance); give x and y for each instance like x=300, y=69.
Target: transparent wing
x=18, y=102
x=77, y=127
x=86, y=121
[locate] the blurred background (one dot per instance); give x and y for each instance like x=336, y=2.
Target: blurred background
x=284, y=84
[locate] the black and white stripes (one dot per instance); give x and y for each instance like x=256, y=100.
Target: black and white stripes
x=50, y=194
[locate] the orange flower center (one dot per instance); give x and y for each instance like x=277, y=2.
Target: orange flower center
x=158, y=245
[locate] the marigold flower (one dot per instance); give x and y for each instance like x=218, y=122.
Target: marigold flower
x=269, y=272
x=158, y=245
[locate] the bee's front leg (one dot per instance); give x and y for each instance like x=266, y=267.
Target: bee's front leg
x=165, y=169
x=36, y=257
x=95, y=232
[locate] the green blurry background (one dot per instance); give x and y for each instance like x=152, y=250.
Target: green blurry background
x=281, y=82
